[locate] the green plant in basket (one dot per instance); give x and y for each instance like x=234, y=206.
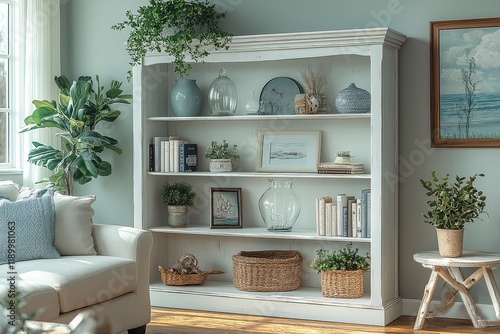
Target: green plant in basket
x=347, y=258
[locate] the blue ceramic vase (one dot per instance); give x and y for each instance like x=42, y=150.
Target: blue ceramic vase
x=186, y=98
x=353, y=100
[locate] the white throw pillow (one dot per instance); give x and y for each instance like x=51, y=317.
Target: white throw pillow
x=73, y=228
x=9, y=190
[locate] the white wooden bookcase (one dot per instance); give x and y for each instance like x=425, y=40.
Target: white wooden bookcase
x=367, y=57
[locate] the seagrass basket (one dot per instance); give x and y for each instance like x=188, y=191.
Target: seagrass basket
x=342, y=283
x=170, y=278
x=267, y=271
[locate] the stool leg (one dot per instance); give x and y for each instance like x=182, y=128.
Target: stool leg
x=467, y=298
x=426, y=300
x=492, y=289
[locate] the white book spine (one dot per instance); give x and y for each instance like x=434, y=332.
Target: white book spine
x=176, y=155
x=341, y=203
x=334, y=220
x=359, y=224
x=166, y=156
x=354, y=219
x=157, y=152
x=317, y=214
x=322, y=204
x=171, y=155
x=160, y=156
x=328, y=219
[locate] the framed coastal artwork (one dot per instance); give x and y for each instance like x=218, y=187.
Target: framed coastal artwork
x=226, y=209
x=465, y=83
x=288, y=151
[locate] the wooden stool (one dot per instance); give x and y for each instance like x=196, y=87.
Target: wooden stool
x=449, y=270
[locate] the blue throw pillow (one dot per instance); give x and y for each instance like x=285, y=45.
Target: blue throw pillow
x=27, y=228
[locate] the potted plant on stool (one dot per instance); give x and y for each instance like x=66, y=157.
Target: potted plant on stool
x=178, y=196
x=221, y=155
x=451, y=206
x=342, y=272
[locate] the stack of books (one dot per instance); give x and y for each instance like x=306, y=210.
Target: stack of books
x=336, y=168
x=344, y=215
x=172, y=154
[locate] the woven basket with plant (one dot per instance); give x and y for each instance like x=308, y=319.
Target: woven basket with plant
x=342, y=272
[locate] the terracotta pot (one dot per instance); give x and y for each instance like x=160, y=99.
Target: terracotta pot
x=450, y=242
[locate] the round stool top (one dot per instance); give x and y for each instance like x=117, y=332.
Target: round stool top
x=468, y=259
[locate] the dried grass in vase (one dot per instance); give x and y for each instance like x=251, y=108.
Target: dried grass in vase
x=315, y=84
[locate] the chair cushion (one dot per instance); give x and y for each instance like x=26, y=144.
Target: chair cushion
x=82, y=280
x=27, y=228
x=41, y=296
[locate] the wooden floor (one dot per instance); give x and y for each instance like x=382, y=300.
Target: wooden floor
x=176, y=321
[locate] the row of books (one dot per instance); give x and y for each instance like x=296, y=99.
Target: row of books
x=344, y=215
x=172, y=154
x=336, y=168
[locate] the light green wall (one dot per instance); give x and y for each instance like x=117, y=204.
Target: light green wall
x=92, y=47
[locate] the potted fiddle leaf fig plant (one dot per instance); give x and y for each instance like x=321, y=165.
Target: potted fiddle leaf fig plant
x=342, y=271
x=176, y=27
x=451, y=206
x=178, y=196
x=80, y=107
x=221, y=156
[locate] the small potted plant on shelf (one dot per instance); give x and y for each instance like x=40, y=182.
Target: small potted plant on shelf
x=342, y=271
x=221, y=156
x=176, y=27
x=452, y=205
x=178, y=196
x=343, y=157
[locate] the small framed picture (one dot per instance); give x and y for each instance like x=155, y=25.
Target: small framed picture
x=226, y=209
x=288, y=151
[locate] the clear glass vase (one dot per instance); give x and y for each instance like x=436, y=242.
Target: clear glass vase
x=279, y=206
x=222, y=96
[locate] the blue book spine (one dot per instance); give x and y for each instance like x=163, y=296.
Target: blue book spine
x=364, y=212
x=369, y=214
x=188, y=157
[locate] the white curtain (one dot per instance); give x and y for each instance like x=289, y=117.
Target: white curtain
x=38, y=45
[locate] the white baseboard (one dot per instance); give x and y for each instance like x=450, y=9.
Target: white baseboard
x=456, y=311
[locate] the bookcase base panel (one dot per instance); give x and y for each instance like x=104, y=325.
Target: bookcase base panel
x=304, y=303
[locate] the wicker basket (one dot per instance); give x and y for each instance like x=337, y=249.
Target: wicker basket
x=342, y=283
x=272, y=270
x=170, y=278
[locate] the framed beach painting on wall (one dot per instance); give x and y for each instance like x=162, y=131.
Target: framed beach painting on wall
x=465, y=83
x=226, y=209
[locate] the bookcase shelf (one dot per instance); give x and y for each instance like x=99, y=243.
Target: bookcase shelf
x=266, y=175
x=368, y=57
x=256, y=232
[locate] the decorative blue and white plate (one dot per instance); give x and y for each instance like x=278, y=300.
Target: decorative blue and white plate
x=281, y=92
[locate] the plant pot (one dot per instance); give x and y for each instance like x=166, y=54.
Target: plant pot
x=220, y=165
x=342, y=283
x=177, y=215
x=342, y=160
x=450, y=242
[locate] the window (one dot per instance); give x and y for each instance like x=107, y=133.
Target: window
x=5, y=83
